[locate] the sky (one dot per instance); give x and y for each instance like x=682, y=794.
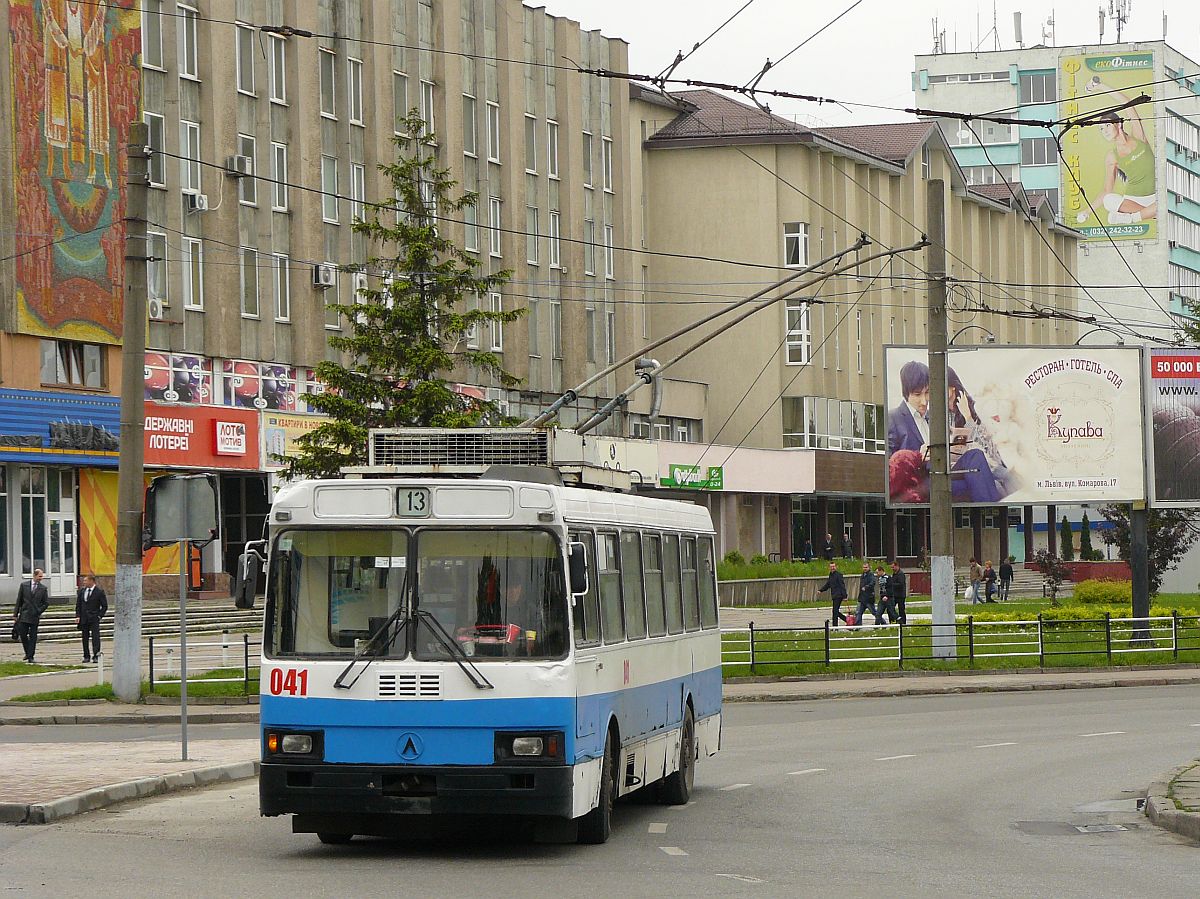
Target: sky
x=866, y=56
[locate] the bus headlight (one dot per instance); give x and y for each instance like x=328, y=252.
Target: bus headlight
x=298, y=743
x=537, y=746
x=292, y=743
x=527, y=745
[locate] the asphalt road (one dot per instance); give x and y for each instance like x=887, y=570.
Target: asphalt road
x=973, y=795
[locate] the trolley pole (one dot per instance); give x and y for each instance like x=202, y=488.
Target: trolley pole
x=127, y=623
x=941, y=524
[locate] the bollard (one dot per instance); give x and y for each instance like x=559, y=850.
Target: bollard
x=1175, y=634
x=151, y=663
x=225, y=649
x=246, y=660
x=971, y=639
x=1041, y=645
x=900, y=645
x=99, y=657
x=752, y=669
x=826, y=642
x=1108, y=636
x=170, y=661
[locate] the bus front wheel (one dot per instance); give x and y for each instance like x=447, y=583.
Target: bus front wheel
x=676, y=788
x=330, y=838
x=596, y=825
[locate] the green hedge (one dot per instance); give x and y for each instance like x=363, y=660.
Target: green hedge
x=1080, y=612
x=1104, y=591
x=730, y=571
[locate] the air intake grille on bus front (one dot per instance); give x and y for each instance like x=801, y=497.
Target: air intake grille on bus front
x=410, y=685
x=481, y=447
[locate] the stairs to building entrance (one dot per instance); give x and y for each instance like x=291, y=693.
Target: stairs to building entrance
x=158, y=619
x=1026, y=584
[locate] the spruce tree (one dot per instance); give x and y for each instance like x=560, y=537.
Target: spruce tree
x=1066, y=549
x=1086, y=553
x=406, y=336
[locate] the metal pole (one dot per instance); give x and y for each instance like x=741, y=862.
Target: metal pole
x=971, y=639
x=1139, y=563
x=183, y=560
x=127, y=618
x=246, y=661
x=941, y=522
x=752, y=671
x=1041, y=644
x=826, y=642
x=1108, y=636
x=151, y=653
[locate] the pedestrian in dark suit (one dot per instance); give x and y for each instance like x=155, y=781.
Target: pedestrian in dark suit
x=32, y=601
x=91, y=605
x=827, y=549
x=808, y=551
x=866, y=596
x=898, y=591
x=836, y=585
x=1006, y=577
x=885, y=603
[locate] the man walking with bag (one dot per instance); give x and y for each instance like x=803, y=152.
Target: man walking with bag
x=32, y=602
x=866, y=596
x=91, y=605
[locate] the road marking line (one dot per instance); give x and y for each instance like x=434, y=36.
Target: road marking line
x=744, y=878
x=1104, y=733
x=733, y=787
x=994, y=745
x=808, y=771
x=657, y=828
x=672, y=850
x=892, y=758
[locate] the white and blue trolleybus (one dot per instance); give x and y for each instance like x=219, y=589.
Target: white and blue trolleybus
x=499, y=645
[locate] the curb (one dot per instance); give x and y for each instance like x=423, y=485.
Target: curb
x=1161, y=810
x=248, y=717
x=952, y=672
x=102, y=797
x=867, y=693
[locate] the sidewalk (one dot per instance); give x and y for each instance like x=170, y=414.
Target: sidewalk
x=1173, y=801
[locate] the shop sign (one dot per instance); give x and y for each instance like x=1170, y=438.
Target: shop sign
x=231, y=438
x=201, y=437
x=693, y=477
x=280, y=432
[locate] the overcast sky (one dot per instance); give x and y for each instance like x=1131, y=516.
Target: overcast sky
x=867, y=56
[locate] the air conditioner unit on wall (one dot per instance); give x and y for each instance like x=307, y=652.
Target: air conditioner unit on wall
x=239, y=166
x=324, y=276
x=156, y=309
x=360, y=286
x=197, y=203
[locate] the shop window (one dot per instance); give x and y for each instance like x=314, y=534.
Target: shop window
x=178, y=378
x=72, y=364
x=3, y=520
x=32, y=479
x=253, y=385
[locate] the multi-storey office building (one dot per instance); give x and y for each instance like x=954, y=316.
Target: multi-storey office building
x=265, y=145
x=804, y=376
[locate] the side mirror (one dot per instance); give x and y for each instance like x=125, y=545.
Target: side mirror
x=578, y=567
x=245, y=579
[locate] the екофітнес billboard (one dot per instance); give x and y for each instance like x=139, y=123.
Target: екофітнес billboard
x=1174, y=404
x=1025, y=425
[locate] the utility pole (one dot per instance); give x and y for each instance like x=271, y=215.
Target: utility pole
x=941, y=523
x=1139, y=566
x=127, y=626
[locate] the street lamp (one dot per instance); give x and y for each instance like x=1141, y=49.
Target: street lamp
x=991, y=338
x=1120, y=339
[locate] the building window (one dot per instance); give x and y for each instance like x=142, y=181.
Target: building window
x=611, y=334
x=249, y=277
x=555, y=246
x=799, y=332
x=329, y=189
x=795, y=244
x=188, y=67
x=278, y=68
x=589, y=247
x=354, y=87
x=469, y=136
x=156, y=265
x=532, y=324
x=552, y=149
x=358, y=190
x=471, y=228
x=191, y=260
x=245, y=59
x=532, y=235
x=587, y=159
x=189, y=164
x=606, y=162
x=1038, y=151
x=590, y=337
x=156, y=129
x=497, y=326
x=399, y=101
x=926, y=163
x=72, y=364
x=333, y=298
x=494, y=224
x=610, y=260
x=823, y=423
x=556, y=328
x=328, y=83
x=283, y=288
x=279, y=174
x=530, y=144
x=493, y=132
x=152, y=45
x=248, y=184
x=427, y=105
x=1038, y=88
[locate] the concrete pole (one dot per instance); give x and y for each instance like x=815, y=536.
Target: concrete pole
x=127, y=622
x=1139, y=564
x=941, y=524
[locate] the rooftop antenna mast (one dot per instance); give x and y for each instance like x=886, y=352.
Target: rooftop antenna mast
x=1118, y=11
x=1048, y=31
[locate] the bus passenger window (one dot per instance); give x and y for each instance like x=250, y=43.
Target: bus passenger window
x=631, y=584
x=652, y=564
x=587, y=607
x=691, y=601
x=671, y=585
x=609, y=576
x=708, y=593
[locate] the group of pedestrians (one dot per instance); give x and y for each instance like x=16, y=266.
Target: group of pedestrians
x=986, y=578
x=878, y=592
x=91, y=605
x=827, y=549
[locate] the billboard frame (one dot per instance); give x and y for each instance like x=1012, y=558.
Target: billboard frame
x=1152, y=499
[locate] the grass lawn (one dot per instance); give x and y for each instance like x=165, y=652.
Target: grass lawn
x=200, y=685
x=8, y=669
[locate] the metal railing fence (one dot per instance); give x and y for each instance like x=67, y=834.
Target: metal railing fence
x=228, y=652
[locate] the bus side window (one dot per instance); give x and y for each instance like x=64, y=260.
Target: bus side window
x=672, y=597
x=587, y=607
x=652, y=563
x=691, y=600
x=708, y=593
x=631, y=584
x=609, y=576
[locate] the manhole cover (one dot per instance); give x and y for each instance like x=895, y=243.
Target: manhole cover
x=1100, y=828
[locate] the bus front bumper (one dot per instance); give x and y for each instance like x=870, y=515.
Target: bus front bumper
x=333, y=789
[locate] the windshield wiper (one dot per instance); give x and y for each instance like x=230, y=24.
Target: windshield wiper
x=371, y=646
x=474, y=675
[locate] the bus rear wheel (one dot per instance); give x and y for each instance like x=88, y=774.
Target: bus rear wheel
x=676, y=788
x=329, y=838
x=596, y=825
